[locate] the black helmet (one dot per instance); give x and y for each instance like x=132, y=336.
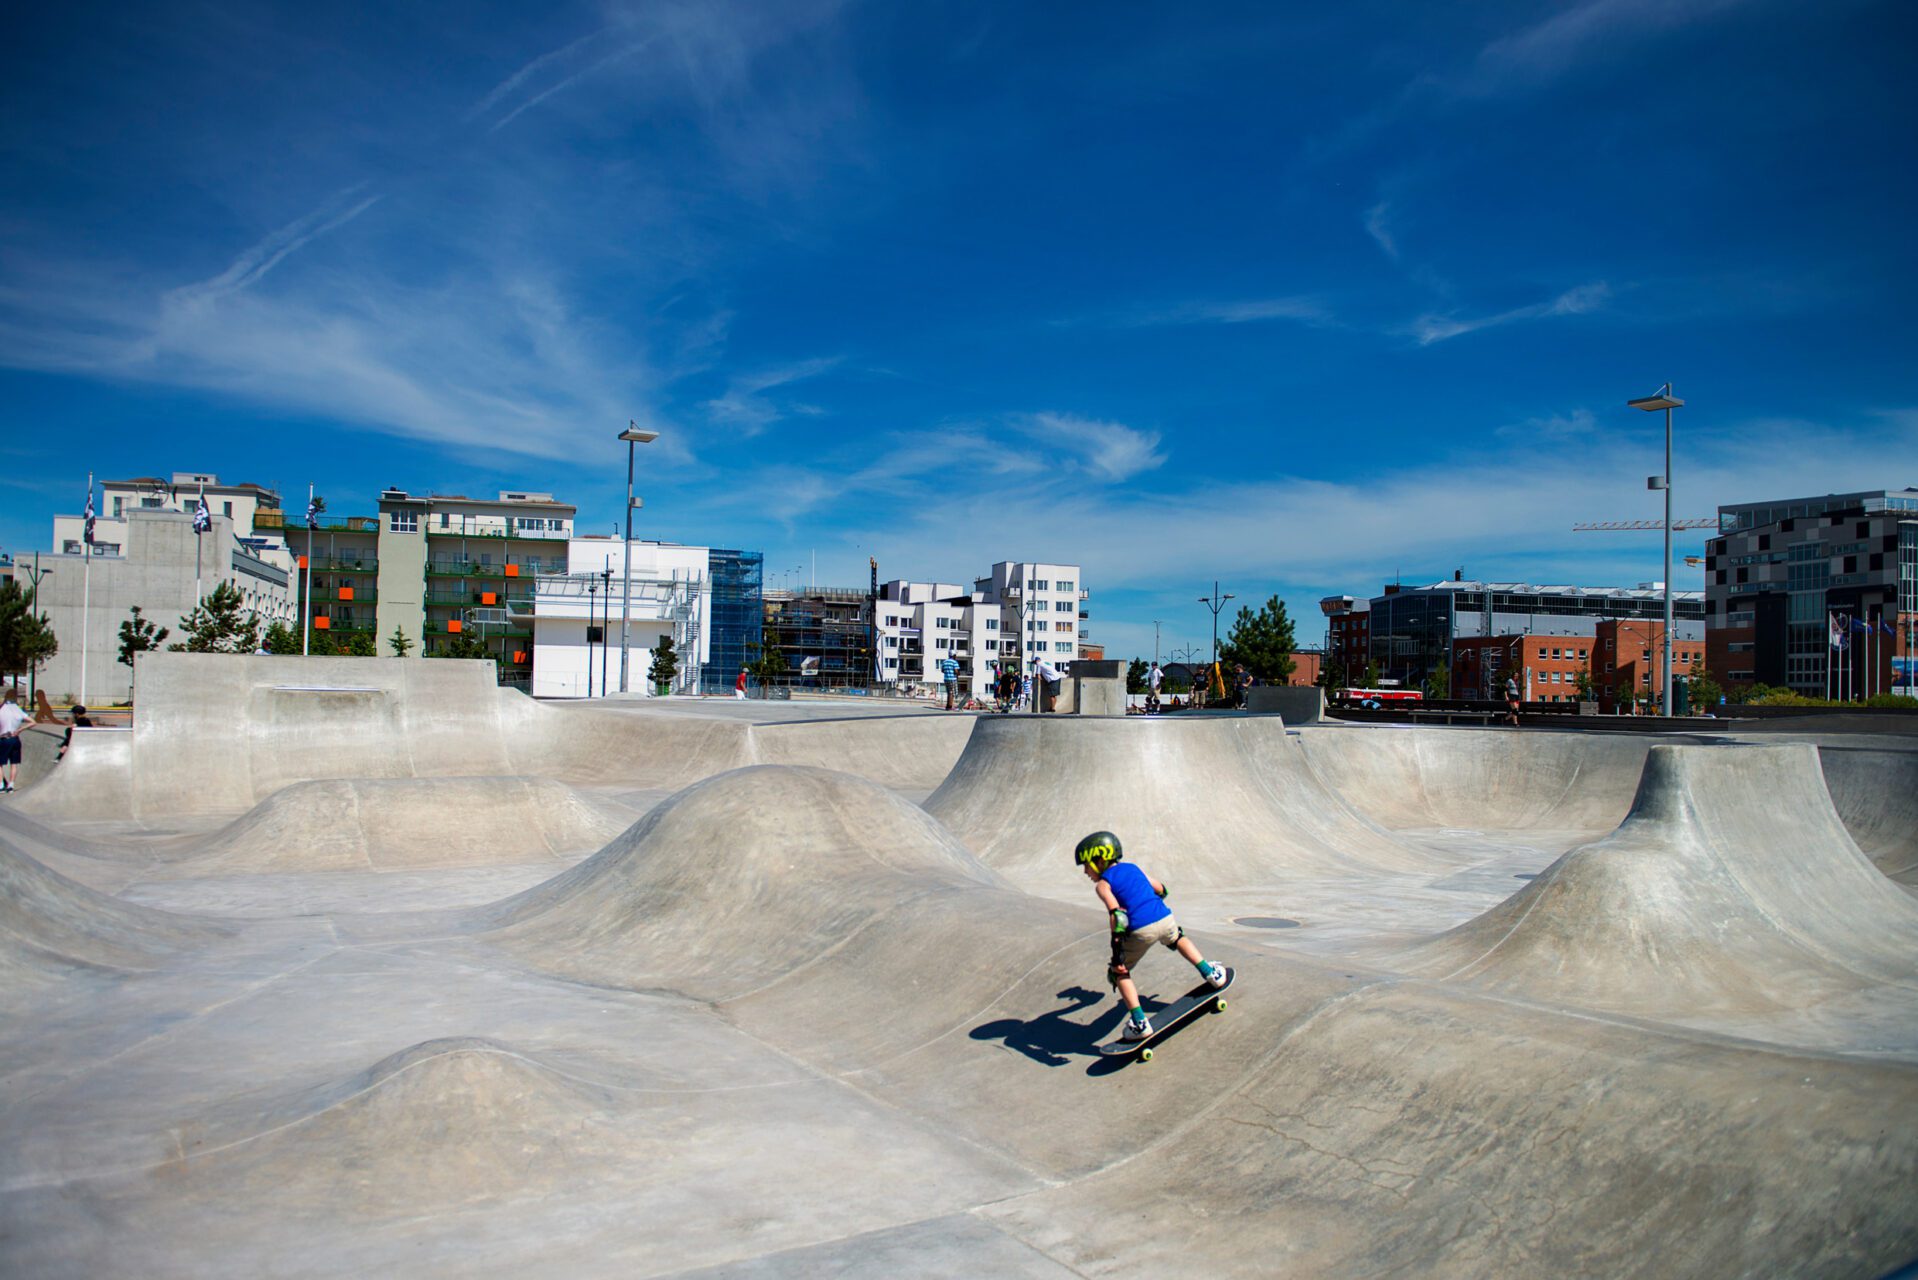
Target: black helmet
x=1098, y=851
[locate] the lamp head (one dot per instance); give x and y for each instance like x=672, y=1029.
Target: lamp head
x=635, y=434
x=1661, y=399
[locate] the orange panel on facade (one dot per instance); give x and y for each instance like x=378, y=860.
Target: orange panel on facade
x=322, y=624
x=302, y=562
x=346, y=593
x=519, y=655
x=455, y=625
x=512, y=571
x=489, y=597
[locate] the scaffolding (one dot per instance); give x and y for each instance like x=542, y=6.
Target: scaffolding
x=824, y=634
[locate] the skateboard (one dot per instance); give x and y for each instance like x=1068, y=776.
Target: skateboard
x=1203, y=998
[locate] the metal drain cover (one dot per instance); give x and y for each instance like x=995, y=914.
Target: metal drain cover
x=1265, y=922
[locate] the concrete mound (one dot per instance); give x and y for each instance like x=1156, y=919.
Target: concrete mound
x=734, y=881
x=54, y=927
x=406, y=824
x=441, y=1123
x=1206, y=802
x=1483, y=780
x=1732, y=887
x=1876, y=795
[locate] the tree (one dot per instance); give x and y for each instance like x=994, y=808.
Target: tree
x=1333, y=676
x=1704, y=690
x=665, y=662
x=280, y=639
x=362, y=645
x=462, y=646
x=399, y=642
x=768, y=667
x=1371, y=675
x=26, y=639
x=137, y=636
x=1135, y=675
x=1438, y=684
x=220, y=623
x=321, y=644
x=1263, y=641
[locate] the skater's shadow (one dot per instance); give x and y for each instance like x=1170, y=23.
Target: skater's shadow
x=1054, y=1038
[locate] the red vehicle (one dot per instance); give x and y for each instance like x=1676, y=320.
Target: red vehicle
x=1376, y=698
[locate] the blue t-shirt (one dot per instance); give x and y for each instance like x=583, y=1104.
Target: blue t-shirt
x=1134, y=892
x=950, y=668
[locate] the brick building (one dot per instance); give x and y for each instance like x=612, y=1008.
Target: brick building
x=1546, y=667
x=1629, y=662
x=1348, y=634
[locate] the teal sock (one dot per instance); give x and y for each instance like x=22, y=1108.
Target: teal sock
x=1138, y=1013
x=1205, y=968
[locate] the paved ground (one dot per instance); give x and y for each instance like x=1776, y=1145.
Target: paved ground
x=352, y=966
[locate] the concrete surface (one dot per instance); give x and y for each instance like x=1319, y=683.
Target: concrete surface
x=1555, y=1003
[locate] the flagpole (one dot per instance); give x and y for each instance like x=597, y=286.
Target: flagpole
x=306, y=609
x=198, y=594
x=86, y=586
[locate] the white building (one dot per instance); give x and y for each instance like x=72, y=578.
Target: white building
x=576, y=617
x=1019, y=613
x=238, y=503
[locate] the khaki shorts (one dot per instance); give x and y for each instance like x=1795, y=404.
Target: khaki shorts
x=1136, y=942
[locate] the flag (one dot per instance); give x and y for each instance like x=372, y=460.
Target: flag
x=1885, y=628
x=1836, y=631
x=87, y=533
x=202, y=518
x=312, y=513
x=1859, y=624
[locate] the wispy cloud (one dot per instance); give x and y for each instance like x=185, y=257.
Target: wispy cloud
x=1378, y=225
x=1581, y=300
x=1108, y=451
x=745, y=405
x=1223, y=311
x=255, y=262
x=1553, y=429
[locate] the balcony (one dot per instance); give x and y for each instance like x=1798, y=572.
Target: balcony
x=347, y=595
x=494, y=530
x=346, y=564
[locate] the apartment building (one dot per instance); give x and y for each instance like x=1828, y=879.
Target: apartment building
x=1017, y=614
x=577, y=616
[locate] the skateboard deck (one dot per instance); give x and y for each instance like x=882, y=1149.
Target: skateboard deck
x=1202, y=998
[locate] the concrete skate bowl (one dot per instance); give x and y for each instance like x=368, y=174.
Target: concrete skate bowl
x=784, y=969
x=1206, y=802
x=1731, y=888
x=1876, y=793
x=1479, y=779
x=53, y=928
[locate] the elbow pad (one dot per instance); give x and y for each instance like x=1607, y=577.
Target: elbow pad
x=1121, y=922
x=1165, y=890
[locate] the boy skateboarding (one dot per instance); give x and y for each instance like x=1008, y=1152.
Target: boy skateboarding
x=1135, y=902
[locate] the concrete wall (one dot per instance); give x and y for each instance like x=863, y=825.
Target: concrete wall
x=402, y=585
x=1298, y=704
x=157, y=574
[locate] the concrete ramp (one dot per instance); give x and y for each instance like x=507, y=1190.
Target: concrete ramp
x=1732, y=887
x=1479, y=779
x=52, y=927
x=1876, y=795
x=216, y=734
x=1204, y=802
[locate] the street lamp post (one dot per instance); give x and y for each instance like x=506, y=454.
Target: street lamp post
x=605, y=622
x=632, y=435
x=1215, y=602
x=1664, y=399
x=592, y=597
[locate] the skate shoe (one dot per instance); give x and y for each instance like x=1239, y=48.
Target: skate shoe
x=1136, y=1030
x=1219, y=976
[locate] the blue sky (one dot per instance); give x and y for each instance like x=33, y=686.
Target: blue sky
x=1300, y=297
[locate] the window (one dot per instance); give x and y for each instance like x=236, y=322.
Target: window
x=892, y=642
x=229, y=509
x=119, y=505
x=446, y=519
x=1042, y=605
x=405, y=522
x=992, y=624
x=1060, y=646
x=1065, y=586
x=1041, y=585
x=1555, y=653
x=1581, y=655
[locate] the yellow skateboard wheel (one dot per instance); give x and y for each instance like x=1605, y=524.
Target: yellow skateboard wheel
x=1145, y=1055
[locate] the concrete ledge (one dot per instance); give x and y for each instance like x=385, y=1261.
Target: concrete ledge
x=1295, y=703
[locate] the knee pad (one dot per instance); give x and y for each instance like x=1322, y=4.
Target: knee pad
x=1178, y=933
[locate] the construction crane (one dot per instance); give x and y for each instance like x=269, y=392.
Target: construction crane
x=1624, y=526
